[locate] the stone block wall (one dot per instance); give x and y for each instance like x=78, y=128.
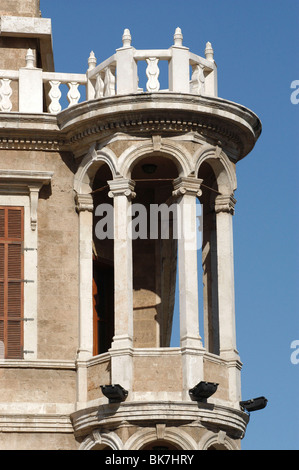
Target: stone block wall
x=30, y=8
x=57, y=317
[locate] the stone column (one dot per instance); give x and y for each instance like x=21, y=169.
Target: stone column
x=85, y=210
x=186, y=189
x=121, y=190
x=224, y=208
x=84, y=204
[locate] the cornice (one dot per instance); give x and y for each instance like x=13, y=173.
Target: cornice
x=139, y=413
x=19, y=131
x=37, y=364
x=141, y=115
x=32, y=143
x=24, y=423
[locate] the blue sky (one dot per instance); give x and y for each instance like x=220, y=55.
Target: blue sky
x=256, y=50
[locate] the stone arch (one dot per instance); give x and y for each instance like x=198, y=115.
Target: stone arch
x=220, y=164
x=219, y=441
x=89, y=166
x=96, y=439
x=176, y=437
x=172, y=150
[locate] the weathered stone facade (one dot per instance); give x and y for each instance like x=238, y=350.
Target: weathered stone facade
x=60, y=165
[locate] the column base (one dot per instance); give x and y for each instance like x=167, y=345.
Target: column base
x=84, y=355
x=122, y=366
x=192, y=364
x=229, y=354
x=191, y=342
x=122, y=342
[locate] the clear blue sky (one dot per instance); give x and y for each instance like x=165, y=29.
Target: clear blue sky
x=256, y=50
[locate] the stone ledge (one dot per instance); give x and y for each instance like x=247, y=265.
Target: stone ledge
x=233, y=421
x=49, y=423
x=36, y=364
x=15, y=26
x=164, y=112
x=172, y=114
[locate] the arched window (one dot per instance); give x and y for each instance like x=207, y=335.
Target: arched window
x=160, y=445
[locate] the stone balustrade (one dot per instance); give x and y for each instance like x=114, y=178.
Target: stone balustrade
x=117, y=75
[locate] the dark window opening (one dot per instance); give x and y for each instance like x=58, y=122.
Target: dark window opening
x=103, y=306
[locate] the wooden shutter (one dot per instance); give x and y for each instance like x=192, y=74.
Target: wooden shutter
x=11, y=280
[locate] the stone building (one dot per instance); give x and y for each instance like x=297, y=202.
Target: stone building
x=86, y=319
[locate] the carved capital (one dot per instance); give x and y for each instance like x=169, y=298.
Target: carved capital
x=122, y=187
x=187, y=185
x=84, y=202
x=225, y=204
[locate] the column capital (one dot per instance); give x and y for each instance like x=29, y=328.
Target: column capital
x=187, y=185
x=225, y=204
x=84, y=202
x=122, y=187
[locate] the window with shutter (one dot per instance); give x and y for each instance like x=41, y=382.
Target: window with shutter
x=11, y=281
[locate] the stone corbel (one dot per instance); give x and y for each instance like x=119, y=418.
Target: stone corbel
x=96, y=436
x=34, y=195
x=160, y=431
x=157, y=142
x=221, y=437
x=218, y=149
x=225, y=204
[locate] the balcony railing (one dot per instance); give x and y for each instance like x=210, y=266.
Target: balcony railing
x=117, y=75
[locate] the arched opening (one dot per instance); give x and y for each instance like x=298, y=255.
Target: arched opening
x=160, y=445
x=217, y=447
x=154, y=250
x=103, y=262
x=207, y=262
x=101, y=447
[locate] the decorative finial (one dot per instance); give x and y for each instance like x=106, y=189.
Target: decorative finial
x=178, y=37
x=30, y=59
x=127, y=38
x=209, y=53
x=92, y=61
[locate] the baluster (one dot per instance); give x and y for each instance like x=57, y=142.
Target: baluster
x=197, y=84
x=5, y=94
x=99, y=87
x=152, y=73
x=73, y=95
x=54, y=95
x=109, y=82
